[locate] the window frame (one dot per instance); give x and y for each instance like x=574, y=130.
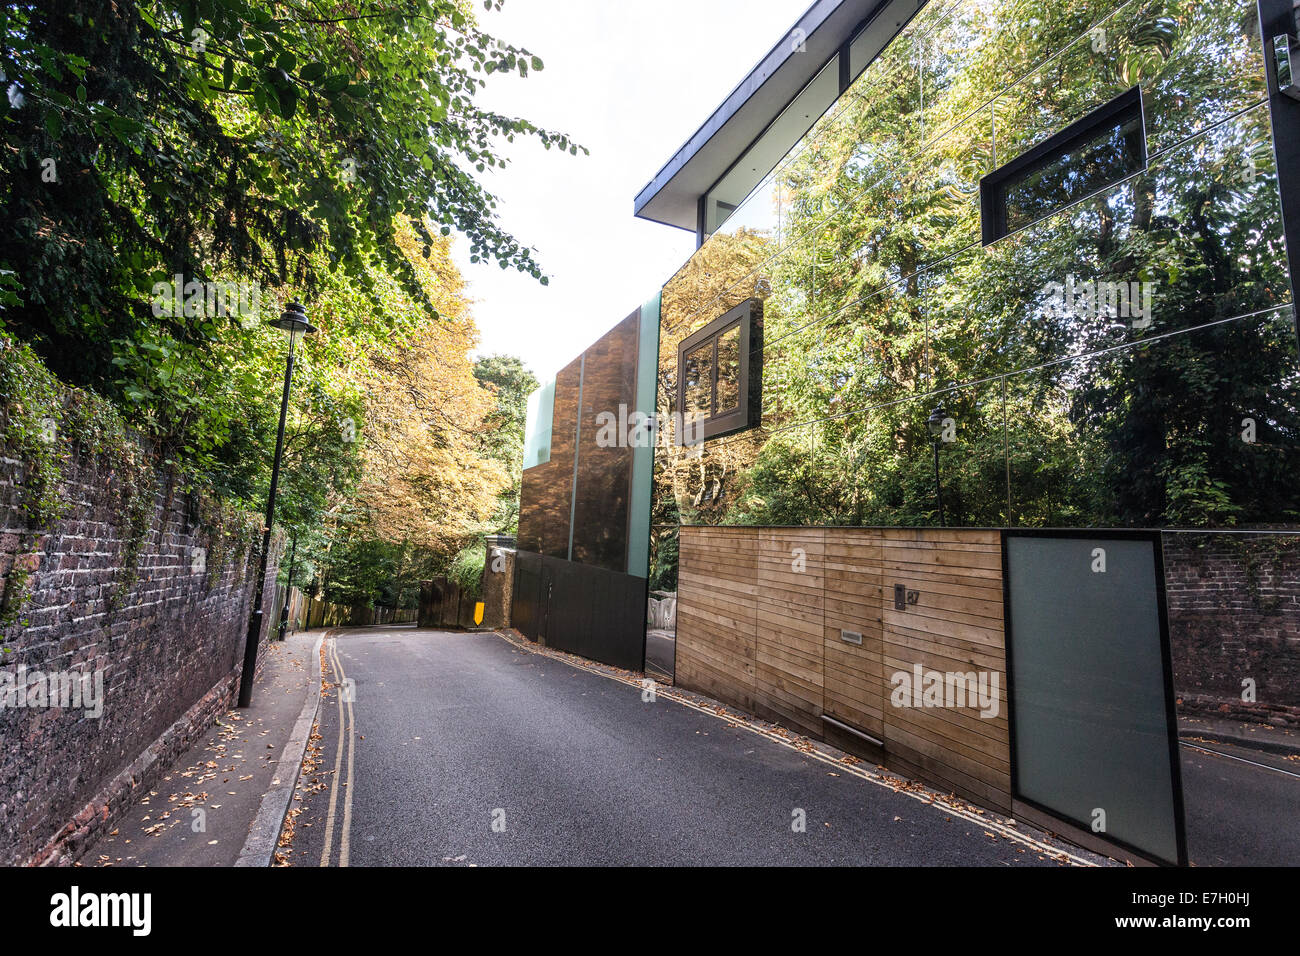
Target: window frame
x=748, y=317
x=993, y=197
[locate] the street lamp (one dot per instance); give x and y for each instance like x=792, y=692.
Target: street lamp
x=293, y=320
x=935, y=425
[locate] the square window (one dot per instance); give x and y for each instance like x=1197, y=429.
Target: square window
x=720, y=385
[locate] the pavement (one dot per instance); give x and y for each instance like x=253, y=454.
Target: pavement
x=469, y=749
x=202, y=810
x=1222, y=730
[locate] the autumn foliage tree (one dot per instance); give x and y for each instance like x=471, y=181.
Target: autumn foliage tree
x=427, y=475
x=328, y=152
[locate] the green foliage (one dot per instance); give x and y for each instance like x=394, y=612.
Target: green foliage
x=663, y=563
x=467, y=568
x=234, y=140
x=371, y=572
x=13, y=595
x=511, y=382
x=33, y=415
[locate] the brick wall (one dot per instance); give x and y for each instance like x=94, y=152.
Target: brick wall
x=169, y=640
x=1234, y=613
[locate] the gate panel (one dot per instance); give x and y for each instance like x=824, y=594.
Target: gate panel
x=717, y=570
x=855, y=688
x=942, y=617
x=528, y=600
x=791, y=627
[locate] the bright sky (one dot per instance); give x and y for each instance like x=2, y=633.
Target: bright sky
x=630, y=81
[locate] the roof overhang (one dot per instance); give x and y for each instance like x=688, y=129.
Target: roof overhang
x=758, y=106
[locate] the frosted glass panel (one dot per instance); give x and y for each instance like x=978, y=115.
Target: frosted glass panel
x=1091, y=721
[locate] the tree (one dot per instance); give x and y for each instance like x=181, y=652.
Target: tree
x=243, y=140
x=429, y=475
x=511, y=383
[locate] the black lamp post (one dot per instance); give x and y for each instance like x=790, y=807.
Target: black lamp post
x=935, y=426
x=293, y=320
x=288, y=591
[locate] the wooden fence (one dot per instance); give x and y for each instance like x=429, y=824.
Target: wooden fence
x=810, y=627
x=306, y=613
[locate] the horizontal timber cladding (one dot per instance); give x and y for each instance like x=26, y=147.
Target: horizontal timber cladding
x=762, y=620
x=717, y=614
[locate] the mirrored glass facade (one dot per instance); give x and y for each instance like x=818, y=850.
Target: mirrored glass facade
x=1125, y=357
x=579, y=475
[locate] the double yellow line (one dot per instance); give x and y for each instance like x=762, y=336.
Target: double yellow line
x=347, y=727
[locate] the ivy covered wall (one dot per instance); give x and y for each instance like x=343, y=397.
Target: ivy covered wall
x=112, y=570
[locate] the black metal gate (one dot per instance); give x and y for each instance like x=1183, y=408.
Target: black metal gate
x=581, y=609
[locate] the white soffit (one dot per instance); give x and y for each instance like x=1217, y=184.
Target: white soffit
x=772, y=108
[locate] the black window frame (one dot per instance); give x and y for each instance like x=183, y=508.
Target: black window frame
x=993, y=195
x=748, y=316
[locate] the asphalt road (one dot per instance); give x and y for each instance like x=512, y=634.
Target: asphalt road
x=1241, y=806
x=462, y=749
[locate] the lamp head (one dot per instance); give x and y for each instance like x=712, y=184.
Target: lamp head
x=935, y=422
x=294, y=320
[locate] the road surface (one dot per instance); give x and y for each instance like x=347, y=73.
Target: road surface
x=1241, y=805
x=464, y=749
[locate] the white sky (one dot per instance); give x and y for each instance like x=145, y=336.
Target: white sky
x=630, y=81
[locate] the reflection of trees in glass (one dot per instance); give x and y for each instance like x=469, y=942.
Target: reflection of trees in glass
x=693, y=484
x=697, y=381
x=663, y=559
x=1110, y=156
x=883, y=298
x=727, y=387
